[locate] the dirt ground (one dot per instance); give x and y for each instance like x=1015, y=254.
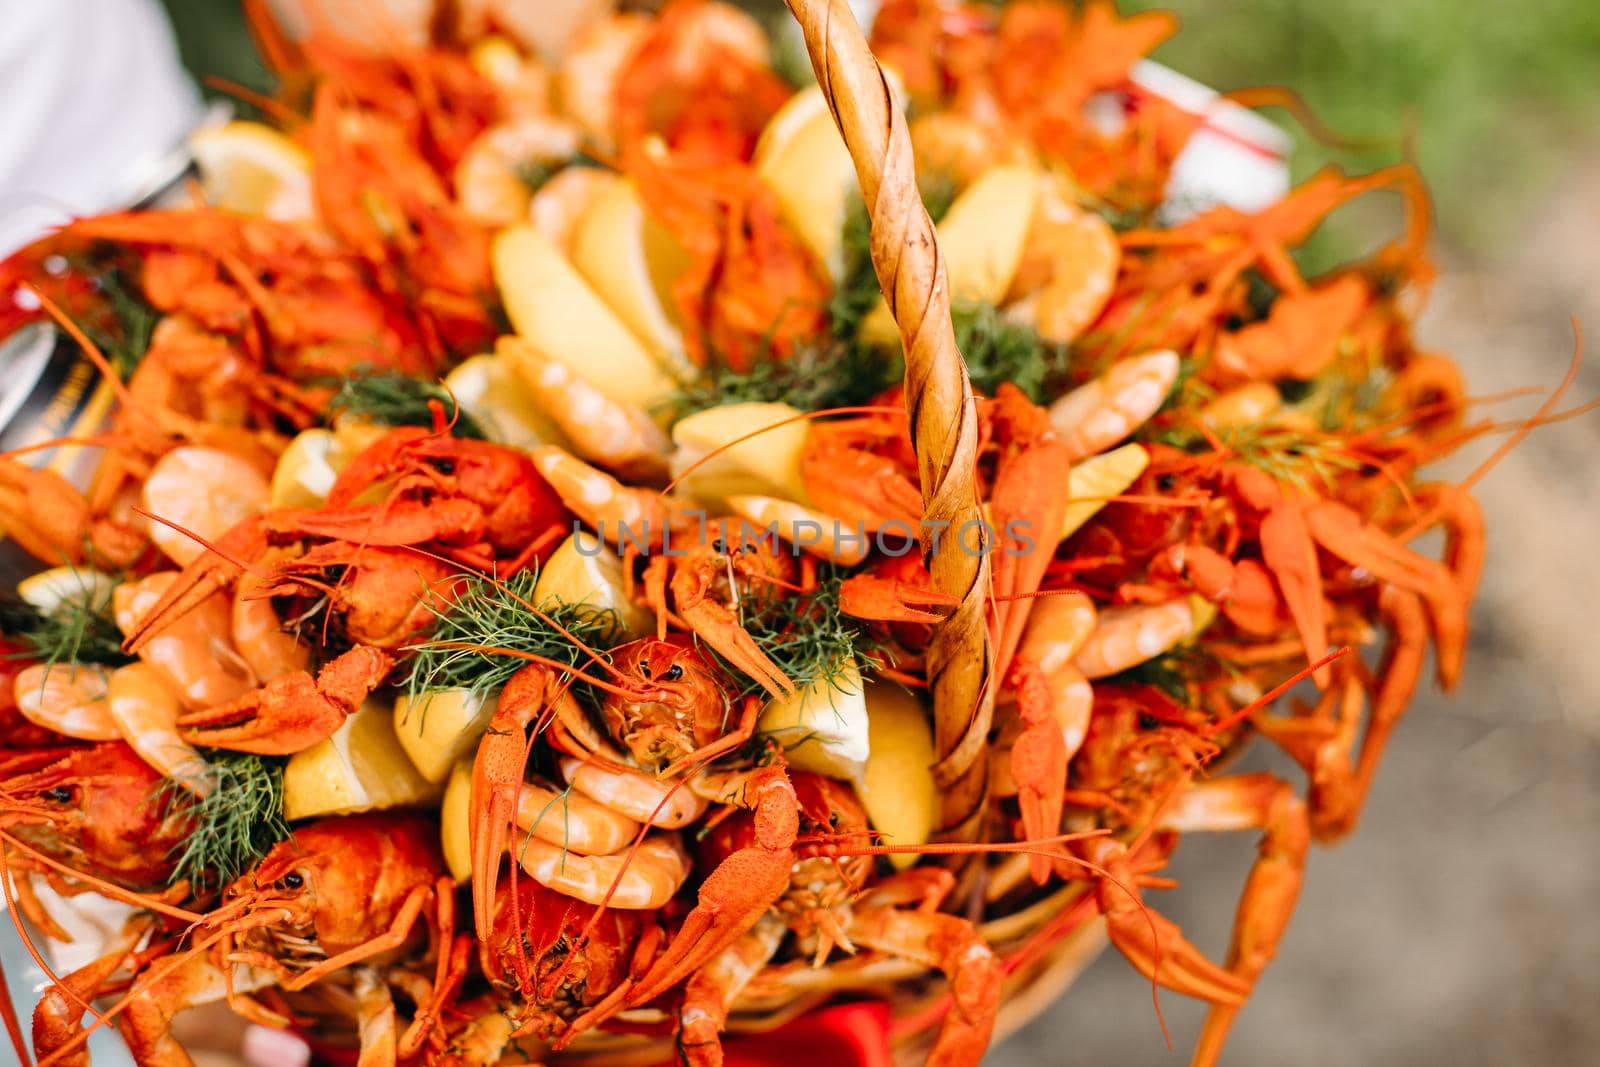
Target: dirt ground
x=1458, y=925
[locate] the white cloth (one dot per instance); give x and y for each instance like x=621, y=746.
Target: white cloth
x=92, y=98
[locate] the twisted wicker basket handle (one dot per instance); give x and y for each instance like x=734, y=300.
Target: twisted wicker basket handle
x=944, y=426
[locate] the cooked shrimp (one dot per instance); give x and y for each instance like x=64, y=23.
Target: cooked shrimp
x=636, y=795
x=258, y=633
x=635, y=880
x=561, y=202
x=201, y=489
x=1069, y=266
x=67, y=698
x=953, y=147
x=193, y=653
x=492, y=179
x=1128, y=636
x=572, y=821
x=146, y=713
x=586, y=81
x=1099, y=413
x=1245, y=405
x=602, y=430
x=616, y=511
x=803, y=527
x=522, y=80
x=544, y=28
x=1058, y=628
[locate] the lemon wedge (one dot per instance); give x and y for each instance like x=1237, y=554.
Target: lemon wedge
x=583, y=570
x=455, y=822
x=491, y=391
x=631, y=259
x=766, y=464
x=554, y=309
x=1097, y=478
x=253, y=169
x=897, y=786
x=823, y=727
x=360, y=768
x=439, y=727
x=79, y=587
x=982, y=238
x=803, y=159
x=307, y=469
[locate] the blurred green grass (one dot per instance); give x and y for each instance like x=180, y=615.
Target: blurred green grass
x=1496, y=100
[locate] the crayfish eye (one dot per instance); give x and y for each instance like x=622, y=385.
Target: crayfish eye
x=443, y=466
x=292, y=880
x=673, y=673
x=719, y=546
x=1148, y=721
x=1166, y=481
x=58, y=794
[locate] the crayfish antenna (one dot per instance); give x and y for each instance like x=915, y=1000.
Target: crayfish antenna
x=217, y=568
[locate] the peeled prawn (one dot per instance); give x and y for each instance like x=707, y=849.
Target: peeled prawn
x=146, y=714
x=640, y=879
x=572, y=821
x=634, y=794
x=192, y=653
x=1128, y=636
x=204, y=490
x=1099, y=413
x=67, y=698
x=492, y=178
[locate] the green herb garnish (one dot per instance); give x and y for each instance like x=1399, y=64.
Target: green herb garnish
x=395, y=399
x=79, y=630
x=235, y=824
x=808, y=636
x=997, y=350
x=486, y=613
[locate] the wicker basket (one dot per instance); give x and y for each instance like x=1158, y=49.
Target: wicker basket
x=1047, y=942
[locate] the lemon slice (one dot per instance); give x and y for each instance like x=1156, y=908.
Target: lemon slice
x=307, y=469
x=79, y=587
x=1097, y=478
x=441, y=726
x=491, y=391
x=554, y=309
x=897, y=786
x=253, y=169
x=766, y=464
x=803, y=158
x=360, y=768
x=982, y=238
x=583, y=570
x=823, y=727
x=455, y=822
x=630, y=259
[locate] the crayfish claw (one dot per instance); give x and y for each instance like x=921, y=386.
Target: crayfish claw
x=293, y=711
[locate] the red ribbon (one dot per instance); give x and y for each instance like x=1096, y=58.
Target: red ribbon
x=846, y=1035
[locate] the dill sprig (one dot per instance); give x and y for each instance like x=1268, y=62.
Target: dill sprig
x=79, y=630
x=808, y=635
x=395, y=399
x=235, y=824
x=998, y=350
x=121, y=322
x=814, y=377
x=938, y=191
x=858, y=291
x=1308, y=460
x=494, y=614
x=1177, y=672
